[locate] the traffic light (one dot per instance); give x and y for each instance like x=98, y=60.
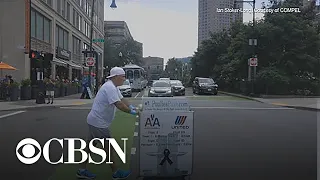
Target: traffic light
x=34, y=55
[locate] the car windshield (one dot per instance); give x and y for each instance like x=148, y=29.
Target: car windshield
x=206, y=81
x=161, y=84
x=176, y=83
x=126, y=82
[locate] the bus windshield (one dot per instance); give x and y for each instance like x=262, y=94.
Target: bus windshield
x=136, y=74
x=129, y=74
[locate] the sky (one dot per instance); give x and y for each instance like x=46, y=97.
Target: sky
x=167, y=28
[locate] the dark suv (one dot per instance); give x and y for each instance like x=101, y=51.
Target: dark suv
x=203, y=85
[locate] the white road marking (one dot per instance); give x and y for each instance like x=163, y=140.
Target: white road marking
x=201, y=107
x=133, y=150
x=137, y=123
x=11, y=114
x=76, y=108
x=137, y=95
x=243, y=108
x=135, y=134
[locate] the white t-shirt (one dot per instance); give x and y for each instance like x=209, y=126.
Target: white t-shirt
x=103, y=110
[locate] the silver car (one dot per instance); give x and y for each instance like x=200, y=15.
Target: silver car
x=160, y=88
x=125, y=89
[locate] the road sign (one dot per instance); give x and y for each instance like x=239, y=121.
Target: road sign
x=90, y=61
x=98, y=40
x=165, y=138
x=253, y=61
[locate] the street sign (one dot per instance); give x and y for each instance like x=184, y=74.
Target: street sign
x=253, y=61
x=165, y=138
x=98, y=40
x=90, y=61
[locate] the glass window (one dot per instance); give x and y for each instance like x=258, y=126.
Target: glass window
x=39, y=26
x=33, y=23
x=59, y=6
x=161, y=84
x=65, y=40
x=46, y=29
x=129, y=74
x=136, y=74
x=68, y=11
x=60, y=38
x=57, y=36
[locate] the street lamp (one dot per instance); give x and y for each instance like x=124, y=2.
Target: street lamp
x=91, y=51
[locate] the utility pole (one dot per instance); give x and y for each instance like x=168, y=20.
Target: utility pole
x=253, y=43
x=91, y=39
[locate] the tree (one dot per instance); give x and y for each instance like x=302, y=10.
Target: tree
x=129, y=48
x=174, y=68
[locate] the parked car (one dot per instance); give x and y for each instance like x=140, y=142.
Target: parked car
x=166, y=79
x=202, y=85
x=125, y=89
x=160, y=88
x=177, y=87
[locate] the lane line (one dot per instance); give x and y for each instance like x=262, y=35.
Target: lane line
x=240, y=108
x=133, y=151
x=11, y=114
x=137, y=95
x=77, y=108
x=137, y=123
x=201, y=107
x=135, y=134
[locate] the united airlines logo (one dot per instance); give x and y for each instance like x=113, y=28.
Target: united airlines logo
x=179, y=123
x=180, y=120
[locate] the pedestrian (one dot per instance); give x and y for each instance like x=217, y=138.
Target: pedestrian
x=101, y=116
x=50, y=89
x=85, y=84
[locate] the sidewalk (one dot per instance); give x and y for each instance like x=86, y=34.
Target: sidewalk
x=72, y=100
x=305, y=103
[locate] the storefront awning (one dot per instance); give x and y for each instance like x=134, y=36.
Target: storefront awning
x=59, y=62
x=74, y=65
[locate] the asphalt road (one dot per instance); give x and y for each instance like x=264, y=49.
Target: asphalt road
x=233, y=139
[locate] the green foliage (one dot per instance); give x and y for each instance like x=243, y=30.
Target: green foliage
x=287, y=51
x=129, y=49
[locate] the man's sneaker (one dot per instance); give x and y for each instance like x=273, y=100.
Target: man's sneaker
x=121, y=174
x=85, y=174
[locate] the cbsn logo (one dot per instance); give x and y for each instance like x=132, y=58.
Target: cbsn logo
x=180, y=120
x=28, y=148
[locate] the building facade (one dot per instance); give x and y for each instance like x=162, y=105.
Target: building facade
x=116, y=31
x=211, y=20
x=59, y=30
x=153, y=66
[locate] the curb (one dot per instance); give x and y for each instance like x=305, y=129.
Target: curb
x=240, y=96
x=39, y=107
x=288, y=106
x=302, y=108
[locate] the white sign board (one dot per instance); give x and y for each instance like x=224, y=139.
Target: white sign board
x=166, y=144
x=253, y=61
x=90, y=61
x=165, y=104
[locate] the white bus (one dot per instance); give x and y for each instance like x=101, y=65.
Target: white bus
x=137, y=76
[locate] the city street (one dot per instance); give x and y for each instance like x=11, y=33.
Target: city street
x=233, y=139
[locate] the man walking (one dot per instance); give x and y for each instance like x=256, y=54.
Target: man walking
x=101, y=116
x=50, y=89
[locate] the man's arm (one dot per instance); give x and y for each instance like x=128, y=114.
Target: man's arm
x=126, y=102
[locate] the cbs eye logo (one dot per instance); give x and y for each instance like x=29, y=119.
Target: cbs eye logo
x=28, y=150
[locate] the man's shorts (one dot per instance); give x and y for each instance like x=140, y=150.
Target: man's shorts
x=50, y=93
x=100, y=133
